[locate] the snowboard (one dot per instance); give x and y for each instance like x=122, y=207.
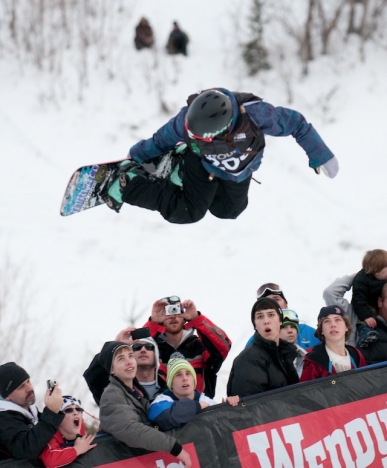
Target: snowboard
x=88, y=184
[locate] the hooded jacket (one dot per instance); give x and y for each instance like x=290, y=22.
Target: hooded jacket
x=125, y=416
x=317, y=363
x=262, y=366
x=24, y=434
x=273, y=121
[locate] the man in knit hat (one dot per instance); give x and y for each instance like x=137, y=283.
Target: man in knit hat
x=182, y=401
x=306, y=334
x=267, y=363
x=289, y=332
x=24, y=431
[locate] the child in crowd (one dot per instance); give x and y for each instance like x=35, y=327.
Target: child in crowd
x=366, y=289
x=289, y=332
x=332, y=355
x=72, y=428
x=181, y=402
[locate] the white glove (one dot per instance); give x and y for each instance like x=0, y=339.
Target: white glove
x=330, y=168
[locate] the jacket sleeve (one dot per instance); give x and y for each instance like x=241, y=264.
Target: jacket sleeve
x=247, y=379
x=54, y=456
x=213, y=338
x=154, y=328
x=360, y=296
x=163, y=140
x=334, y=293
x=23, y=440
x=311, y=371
x=121, y=419
x=168, y=414
x=280, y=121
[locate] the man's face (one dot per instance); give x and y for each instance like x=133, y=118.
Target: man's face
x=23, y=395
x=174, y=324
x=267, y=323
x=279, y=299
x=124, y=365
x=288, y=333
x=334, y=328
x=71, y=424
x=143, y=356
x=183, y=384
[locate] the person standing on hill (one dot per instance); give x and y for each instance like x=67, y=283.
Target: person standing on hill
x=177, y=41
x=144, y=35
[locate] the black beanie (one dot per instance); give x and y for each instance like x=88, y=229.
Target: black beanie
x=107, y=353
x=11, y=377
x=264, y=303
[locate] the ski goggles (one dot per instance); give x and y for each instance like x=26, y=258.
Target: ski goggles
x=171, y=299
x=208, y=136
x=290, y=316
x=139, y=346
x=269, y=291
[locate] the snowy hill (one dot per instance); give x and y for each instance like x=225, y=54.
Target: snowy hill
x=89, y=271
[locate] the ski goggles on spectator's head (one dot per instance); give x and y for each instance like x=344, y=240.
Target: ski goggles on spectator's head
x=139, y=346
x=171, y=299
x=290, y=316
x=270, y=291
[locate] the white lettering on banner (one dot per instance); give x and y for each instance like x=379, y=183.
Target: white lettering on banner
x=361, y=443
x=161, y=464
x=227, y=161
x=353, y=429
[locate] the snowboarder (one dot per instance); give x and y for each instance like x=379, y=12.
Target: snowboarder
x=223, y=133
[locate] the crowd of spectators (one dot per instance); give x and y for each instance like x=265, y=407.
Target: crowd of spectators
x=165, y=372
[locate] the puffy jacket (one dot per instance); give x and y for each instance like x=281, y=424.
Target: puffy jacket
x=262, y=366
x=317, y=363
x=273, y=121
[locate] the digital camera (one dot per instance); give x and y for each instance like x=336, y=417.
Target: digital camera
x=51, y=384
x=173, y=309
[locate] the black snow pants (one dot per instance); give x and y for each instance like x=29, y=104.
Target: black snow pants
x=188, y=204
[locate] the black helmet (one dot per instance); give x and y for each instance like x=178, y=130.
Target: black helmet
x=209, y=114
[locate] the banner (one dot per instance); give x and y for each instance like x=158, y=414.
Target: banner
x=338, y=421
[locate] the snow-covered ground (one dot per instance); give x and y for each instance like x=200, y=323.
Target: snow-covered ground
x=90, y=271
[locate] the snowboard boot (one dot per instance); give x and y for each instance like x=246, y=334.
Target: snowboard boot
x=114, y=191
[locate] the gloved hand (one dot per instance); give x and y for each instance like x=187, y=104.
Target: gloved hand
x=330, y=168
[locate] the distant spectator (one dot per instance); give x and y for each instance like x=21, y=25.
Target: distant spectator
x=181, y=402
x=267, y=363
x=306, y=334
x=72, y=428
x=24, y=431
x=289, y=332
x=144, y=35
x=366, y=289
x=332, y=355
x=177, y=41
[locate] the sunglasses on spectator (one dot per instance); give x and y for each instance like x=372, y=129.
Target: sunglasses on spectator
x=171, y=299
x=290, y=315
x=70, y=410
x=139, y=346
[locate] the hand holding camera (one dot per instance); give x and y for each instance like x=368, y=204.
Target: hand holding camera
x=53, y=398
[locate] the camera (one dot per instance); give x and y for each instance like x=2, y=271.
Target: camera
x=173, y=309
x=51, y=384
x=140, y=333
